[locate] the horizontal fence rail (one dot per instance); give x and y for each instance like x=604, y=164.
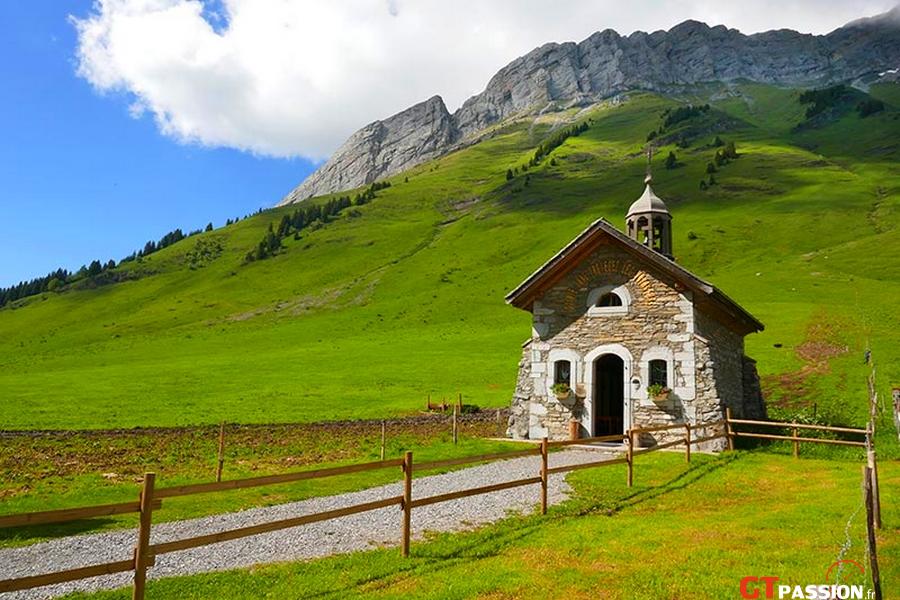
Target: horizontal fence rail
x=766, y=436
x=598, y=463
x=619, y=437
x=26, y=583
x=799, y=426
x=151, y=499
x=485, y=489
x=236, y=484
x=72, y=514
x=438, y=464
x=795, y=436
x=234, y=534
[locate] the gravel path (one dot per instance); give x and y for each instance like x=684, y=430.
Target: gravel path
x=346, y=534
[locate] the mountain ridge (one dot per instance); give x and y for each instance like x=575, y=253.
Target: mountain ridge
x=599, y=67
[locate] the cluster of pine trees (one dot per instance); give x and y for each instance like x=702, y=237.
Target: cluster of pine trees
x=555, y=141
x=725, y=153
x=673, y=116
x=312, y=217
x=822, y=99
x=55, y=280
x=547, y=146
x=683, y=113
x=173, y=237
x=38, y=285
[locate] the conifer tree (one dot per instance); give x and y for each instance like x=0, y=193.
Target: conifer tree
x=671, y=160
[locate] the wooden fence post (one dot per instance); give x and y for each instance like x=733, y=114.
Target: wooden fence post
x=870, y=531
x=687, y=442
x=455, y=426
x=407, y=501
x=796, y=433
x=141, y=550
x=728, y=430
x=876, y=494
x=459, y=401
x=383, y=437
x=544, y=446
x=629, y=457
x=221, y=462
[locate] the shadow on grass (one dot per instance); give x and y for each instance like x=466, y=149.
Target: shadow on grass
x=429, y=560
x=11, y=537
x=450, y=550
x=679, y=482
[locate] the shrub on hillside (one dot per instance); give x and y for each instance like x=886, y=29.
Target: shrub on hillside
x=869, y=107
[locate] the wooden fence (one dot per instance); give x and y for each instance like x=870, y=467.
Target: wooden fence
x=151, y=498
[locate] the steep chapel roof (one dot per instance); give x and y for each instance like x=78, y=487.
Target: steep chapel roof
x=706, y=296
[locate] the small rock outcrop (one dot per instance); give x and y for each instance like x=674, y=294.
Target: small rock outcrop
x=604, y=65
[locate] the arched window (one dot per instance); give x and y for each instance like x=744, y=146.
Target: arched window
x=562, y=372
x=659, y=373
x=610, y=299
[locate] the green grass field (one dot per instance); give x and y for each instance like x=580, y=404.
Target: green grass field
x=367, y=315
x=681, y=532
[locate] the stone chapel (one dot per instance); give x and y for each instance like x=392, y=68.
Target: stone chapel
x=623, y=336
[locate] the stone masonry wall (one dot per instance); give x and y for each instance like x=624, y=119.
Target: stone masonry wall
x=517, y=426
x=720, y=363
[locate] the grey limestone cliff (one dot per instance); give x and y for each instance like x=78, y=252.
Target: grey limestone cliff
x=604, y=65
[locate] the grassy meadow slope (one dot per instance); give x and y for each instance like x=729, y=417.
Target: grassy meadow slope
x=367, y=315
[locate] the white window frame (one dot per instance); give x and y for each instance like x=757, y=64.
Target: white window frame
x=594, y=295
x=575, y=374
x=655, y=353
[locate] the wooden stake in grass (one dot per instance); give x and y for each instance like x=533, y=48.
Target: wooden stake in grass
x=796, y=433
x=141, y=554
x=383, y=436
x=407, y=502
x=687, y=442
x=876, y=494
x=728, y=428
x=870, y=531
x=221, y=462
x=459, y=401
x=455, y=426
x=544, y=466
x=629, y=457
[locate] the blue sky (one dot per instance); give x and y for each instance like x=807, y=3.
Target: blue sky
x=80, y=179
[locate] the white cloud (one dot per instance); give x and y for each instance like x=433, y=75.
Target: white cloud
x=296, y=77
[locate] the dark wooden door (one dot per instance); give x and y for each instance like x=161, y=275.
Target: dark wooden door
x=609, y=395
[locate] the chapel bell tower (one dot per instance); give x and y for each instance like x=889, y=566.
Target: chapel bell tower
x=648, y=220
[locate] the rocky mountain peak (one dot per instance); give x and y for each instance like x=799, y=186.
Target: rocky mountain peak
x=558, y=75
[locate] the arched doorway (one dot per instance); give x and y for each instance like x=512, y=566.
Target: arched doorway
x=608, y=395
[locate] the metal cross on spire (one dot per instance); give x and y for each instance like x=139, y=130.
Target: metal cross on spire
x=649, y=176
